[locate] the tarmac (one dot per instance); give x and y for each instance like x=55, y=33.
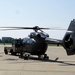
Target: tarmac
x=58, y=64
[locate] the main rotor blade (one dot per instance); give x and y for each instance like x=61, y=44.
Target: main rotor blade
x=9, y=29
x=57, y=29
x=25, y=27
x=18, y=27
x=34, y=28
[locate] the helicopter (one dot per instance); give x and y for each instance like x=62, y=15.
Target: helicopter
x=37, y=42
x=34, y=44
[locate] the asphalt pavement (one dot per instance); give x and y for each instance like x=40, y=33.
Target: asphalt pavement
x=58, y=64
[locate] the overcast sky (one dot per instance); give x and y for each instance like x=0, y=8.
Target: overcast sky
x=42, y=13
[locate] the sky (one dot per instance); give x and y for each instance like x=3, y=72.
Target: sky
x=42, y=13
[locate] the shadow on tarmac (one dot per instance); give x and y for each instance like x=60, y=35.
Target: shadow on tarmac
x=61, y=63
x=64, y=63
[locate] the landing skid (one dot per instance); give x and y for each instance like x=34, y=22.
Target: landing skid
x=26, y=56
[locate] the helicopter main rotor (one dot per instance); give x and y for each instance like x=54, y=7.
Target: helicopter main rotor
x=36, y=28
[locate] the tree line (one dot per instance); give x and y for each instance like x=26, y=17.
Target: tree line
x=6, y=40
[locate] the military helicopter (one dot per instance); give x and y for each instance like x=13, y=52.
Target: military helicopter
x=34, y=44
x=37, y=42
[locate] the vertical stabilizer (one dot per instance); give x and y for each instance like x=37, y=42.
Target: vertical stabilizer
x=72, y=26
x=69, y=39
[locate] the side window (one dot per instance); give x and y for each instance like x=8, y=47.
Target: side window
x=29, y=41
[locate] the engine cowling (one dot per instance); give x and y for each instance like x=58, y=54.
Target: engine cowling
x=69, y=43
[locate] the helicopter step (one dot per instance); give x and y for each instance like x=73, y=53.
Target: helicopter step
x=43, y=56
